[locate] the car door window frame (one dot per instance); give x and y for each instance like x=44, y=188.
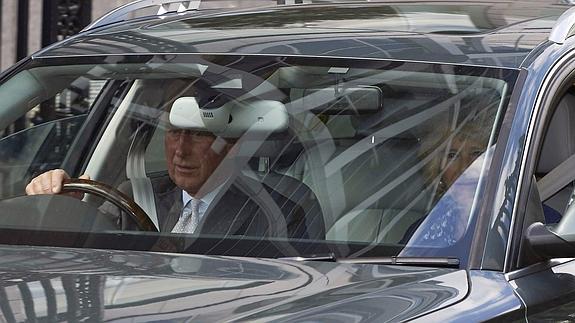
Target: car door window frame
x=557, y=82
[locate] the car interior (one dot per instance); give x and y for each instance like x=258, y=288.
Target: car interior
x=554, y=180
x=356, y=150
x=353, y=157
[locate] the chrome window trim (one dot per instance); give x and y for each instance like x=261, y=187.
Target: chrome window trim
x=564, y=27
x=535, y=268
x=283, y=55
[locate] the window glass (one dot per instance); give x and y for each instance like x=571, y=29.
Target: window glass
x=556, y=190
x=274, y=156
x=38, y=130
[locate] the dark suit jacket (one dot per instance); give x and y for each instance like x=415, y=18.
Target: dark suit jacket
x=244, y=207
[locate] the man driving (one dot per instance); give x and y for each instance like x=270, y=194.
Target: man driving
x=204, y=192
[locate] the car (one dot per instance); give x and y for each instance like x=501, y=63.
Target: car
x=312, y=161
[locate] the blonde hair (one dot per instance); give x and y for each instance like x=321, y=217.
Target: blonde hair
x=440, y=133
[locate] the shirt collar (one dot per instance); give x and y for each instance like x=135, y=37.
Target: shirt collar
x=206, y=200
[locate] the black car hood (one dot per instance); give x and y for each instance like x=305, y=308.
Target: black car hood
x=85, y=284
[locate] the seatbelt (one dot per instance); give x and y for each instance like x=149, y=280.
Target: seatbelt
x=142, y=190
x=263, y=199
x=557, y=178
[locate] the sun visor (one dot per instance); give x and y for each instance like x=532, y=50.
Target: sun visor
x=347, y=100
x=232, y=119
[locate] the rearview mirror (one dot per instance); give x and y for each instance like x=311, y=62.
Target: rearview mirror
x=232, y=119
x=347, y=100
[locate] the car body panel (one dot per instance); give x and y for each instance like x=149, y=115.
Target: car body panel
x=153, y=286
x=319, y=33
x=88, y=284
x=491, y=293
x=523, y=112
x=547, y=291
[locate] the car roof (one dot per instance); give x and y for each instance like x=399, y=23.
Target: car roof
x=494, y=33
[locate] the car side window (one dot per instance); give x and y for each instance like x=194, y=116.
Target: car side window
x=558, y=147
x=41, y=137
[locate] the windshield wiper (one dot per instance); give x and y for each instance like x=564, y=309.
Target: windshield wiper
x=394, y=260
x=406, y=261
x=327, y=257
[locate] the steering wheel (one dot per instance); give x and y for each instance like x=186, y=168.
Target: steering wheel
x=114, y=196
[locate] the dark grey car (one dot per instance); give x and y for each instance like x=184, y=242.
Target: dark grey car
x=385, y=162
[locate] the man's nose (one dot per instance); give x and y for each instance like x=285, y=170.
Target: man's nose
x=181, y=144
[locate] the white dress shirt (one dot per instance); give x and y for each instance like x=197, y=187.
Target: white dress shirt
x=184, y=225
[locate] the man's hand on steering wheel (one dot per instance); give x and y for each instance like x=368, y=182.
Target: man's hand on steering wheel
x=51, y=182
x=58, y=181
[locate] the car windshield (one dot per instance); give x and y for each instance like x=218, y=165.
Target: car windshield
x=251, y=155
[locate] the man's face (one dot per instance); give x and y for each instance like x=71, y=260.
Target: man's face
x=191, y=158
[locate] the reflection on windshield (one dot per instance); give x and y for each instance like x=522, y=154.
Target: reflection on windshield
x=354, y=158
x=74, y=285
x=456, y=171
x=448, y=220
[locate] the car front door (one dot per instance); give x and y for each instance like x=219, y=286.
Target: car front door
x=545, y=282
